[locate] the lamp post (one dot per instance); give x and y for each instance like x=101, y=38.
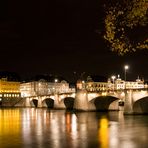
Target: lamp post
x=126, y=67
x=55, y=80
x=55, y=88
x=113, y=77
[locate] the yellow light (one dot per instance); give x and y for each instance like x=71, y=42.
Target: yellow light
x=10, y=121
x=104, y=93
x=126, y=67
x=103, y=133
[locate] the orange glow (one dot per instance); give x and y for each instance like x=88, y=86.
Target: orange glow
x=10, y=121
x=103, y=133
x=68, y=122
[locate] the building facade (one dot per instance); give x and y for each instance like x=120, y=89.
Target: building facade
x=117, y=84
x=42, y=87
x=9, y=90
x=34, y=88
x=121, y=84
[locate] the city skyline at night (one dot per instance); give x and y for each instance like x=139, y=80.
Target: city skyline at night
x=69, y=40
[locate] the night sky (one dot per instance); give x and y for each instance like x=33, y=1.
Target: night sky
x=39, y=38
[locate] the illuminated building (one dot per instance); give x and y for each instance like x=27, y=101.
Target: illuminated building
x=34, y=88
x=97, y=86
x=117, y=84
x=42, y=87
x=9, y=90
x=120, y=84
x=59, y=87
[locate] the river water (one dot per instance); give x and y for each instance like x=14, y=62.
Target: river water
x=44, y=128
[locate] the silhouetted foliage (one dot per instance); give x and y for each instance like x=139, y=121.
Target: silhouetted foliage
x=123, y=19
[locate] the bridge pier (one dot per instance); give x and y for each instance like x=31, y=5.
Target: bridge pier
x=128, y=106
x=39, y=101
x=27, y=102
x=58, y=103
x=81, y=100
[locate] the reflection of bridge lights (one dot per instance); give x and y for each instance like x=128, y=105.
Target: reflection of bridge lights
x=74, y=123
x=104, y=123
x=103, y=132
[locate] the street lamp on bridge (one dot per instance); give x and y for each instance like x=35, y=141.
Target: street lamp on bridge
x=113, y=78
x=126, y=67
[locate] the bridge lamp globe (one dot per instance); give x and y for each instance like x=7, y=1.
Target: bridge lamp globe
x=126, y=67
x=113, y=78
x=56, y=80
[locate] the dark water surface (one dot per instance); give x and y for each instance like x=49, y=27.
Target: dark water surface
x=43, y=128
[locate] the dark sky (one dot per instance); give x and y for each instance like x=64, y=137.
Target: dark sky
x=37, y=37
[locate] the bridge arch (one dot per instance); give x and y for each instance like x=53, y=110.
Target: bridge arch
x=105, y=103
x=69, y=102
x=48, y=102
x=141, y=105
x=34, y=102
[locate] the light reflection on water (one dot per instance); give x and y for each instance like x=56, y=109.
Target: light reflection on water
x=31, y=127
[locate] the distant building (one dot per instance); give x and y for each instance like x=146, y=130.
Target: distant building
x=9, y=89
x=90, y=85
x=121, y=84
x=34, y=88
x=59, y=87
x=117, y=84
x=42, y=87
x=97, y=86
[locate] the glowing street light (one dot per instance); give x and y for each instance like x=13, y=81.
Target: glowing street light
x=113, y=77
x=126, y=67
x=56, y=80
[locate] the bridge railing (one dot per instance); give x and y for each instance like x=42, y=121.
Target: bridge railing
x=116, y=90
x=51, y=92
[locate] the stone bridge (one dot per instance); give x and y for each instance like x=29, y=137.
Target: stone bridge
x=57, y=101
x=135, y=100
